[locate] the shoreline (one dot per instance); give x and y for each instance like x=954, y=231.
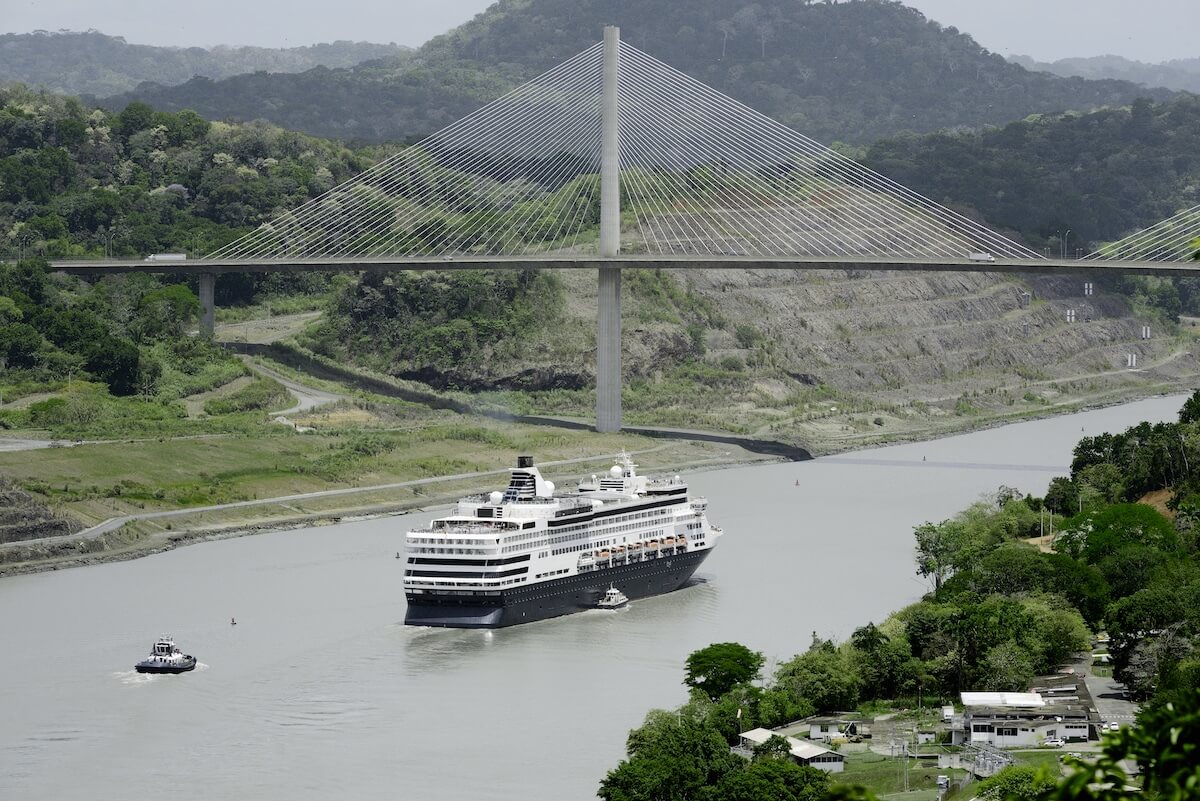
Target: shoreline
x=134, y=536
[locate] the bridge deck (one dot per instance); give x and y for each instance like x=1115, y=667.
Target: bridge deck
x=390, y=263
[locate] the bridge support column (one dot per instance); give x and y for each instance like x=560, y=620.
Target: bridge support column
x=208, y=306
x=608, y=351
x=608, y=316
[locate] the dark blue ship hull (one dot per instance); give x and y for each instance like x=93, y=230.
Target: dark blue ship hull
x=552, y=598
x=150, y=666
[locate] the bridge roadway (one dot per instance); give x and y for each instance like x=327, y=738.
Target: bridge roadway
x=624, y=261
x=608, y=336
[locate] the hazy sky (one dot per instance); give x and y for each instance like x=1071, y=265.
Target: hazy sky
x=1147, y=30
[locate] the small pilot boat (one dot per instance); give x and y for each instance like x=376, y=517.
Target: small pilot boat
x=613, y=599
x=165, y=657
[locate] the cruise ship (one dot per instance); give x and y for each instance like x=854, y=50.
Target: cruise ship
x=529, y=553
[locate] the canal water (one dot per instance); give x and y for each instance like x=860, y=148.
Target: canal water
x=320, y=692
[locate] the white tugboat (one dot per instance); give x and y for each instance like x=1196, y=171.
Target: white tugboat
x=165, y=657
x=613, y=599
x=531, y=552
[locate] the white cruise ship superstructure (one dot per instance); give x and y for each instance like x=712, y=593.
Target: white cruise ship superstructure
x=529, y=553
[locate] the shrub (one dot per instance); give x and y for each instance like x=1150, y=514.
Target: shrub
x=48, y=413
x=263, y=393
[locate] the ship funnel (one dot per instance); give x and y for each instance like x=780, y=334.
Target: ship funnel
x=524, y=461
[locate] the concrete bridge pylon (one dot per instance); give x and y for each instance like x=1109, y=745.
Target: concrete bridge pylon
x=608, y=317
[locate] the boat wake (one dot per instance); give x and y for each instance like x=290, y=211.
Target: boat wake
x=133, y=677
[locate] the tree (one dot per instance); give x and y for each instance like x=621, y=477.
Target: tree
x=774, y=747
x=1055, y=630
x=823, y=676
x=165, y=311
x=868, y=638
x=115, y=361
x=20, y=344
x=715, y=670
x=1007, y=668
x=1010, y=568
x=779, y=705
x=1123, y=524
x=10, y=312
x=771, y=780
x=1016, y=783
x=672, y=757
x=1081, y=584
x=935, y=550
x=1190, y=412
x=1062, y=497
x=1105, y=479
x=133, y=118
x=1151, y=658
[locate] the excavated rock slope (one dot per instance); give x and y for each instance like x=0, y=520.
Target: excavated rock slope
x=23, y=518
x=903, y=345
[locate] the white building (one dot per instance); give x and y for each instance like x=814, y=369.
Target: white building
x=1006, y=720
x=829, y=729
x=804, y=752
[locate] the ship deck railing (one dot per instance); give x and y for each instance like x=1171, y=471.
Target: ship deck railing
x=490, y=531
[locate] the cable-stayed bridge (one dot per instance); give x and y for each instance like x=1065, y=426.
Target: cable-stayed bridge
x=616, y=160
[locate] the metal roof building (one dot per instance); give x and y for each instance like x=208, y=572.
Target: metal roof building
x=805, y=752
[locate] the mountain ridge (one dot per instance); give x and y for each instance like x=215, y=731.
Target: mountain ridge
x=1181, y=74
x=851, y=72
x=96, y=64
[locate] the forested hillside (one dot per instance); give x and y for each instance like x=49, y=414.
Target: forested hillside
x=1182, y=74
x=1101, y=175
x=95, y=64
x=764, y=352
x=78, y=182
x=852, y=71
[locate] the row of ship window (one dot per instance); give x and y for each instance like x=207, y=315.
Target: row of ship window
x=460, y=551
x=475, y=583
x=573, y=532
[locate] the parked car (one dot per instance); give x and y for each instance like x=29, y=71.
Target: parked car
x=1054, y=742
x=1114, y=726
